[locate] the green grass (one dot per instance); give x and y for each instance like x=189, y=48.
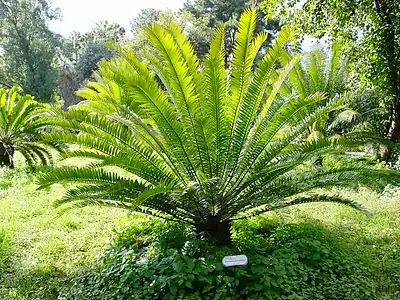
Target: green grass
x=375, y=236
x=40, y=245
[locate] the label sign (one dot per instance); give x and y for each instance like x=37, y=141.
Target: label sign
x=234, y=260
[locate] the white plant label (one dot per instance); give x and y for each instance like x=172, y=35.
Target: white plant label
x=234, y=260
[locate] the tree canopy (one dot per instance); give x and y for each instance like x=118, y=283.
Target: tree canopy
x=81, y=54
x=27, y=47
x=228, y=12
x=196, y=28
x=372, y=30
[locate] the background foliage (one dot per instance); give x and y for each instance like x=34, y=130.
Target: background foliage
x=81, y=53
x=372, y=31
x=28, y=47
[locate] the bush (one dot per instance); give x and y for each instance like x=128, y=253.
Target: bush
x=156, y=260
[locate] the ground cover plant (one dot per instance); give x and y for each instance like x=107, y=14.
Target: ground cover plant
x=323, y=254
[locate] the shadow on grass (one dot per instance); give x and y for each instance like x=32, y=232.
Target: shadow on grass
x=42, y=282
x=17, y=283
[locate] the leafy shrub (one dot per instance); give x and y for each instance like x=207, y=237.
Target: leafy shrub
x=166, y=261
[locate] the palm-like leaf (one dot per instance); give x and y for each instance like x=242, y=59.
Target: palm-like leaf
x=22, y=121
x=326, y=72
x=191, y=141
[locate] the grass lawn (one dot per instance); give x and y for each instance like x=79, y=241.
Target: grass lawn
x=40, y=244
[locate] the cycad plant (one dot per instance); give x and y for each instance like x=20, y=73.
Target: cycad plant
x=194, y=142
x=22, y=121
x=327, y=72
x=322, y=70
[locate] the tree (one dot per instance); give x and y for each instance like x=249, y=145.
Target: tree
x=200, y=18
x=104, y=32
x=328, y=71
x=146, y=17
x=196, y=28
x=228, y=12
x=85, y=51
x=203, y=148
x=22, y=121
x=82, y=54
x=28, y=47
x=372, y=27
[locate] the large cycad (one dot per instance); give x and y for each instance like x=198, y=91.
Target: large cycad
x=22, y=121
x=191, y=141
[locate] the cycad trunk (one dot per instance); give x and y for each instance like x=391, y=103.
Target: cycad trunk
x=217, y=230
x=6, y=155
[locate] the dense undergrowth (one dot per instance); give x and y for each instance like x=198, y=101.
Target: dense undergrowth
x=314, y=251
x=287, y=260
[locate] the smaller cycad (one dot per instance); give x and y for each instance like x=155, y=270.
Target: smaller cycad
x=22, y=121
x=195, y=142
x=326, y=72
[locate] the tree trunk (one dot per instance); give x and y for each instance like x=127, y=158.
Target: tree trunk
x=216, y=230
x=383, y=153
x=68, y=87
x=394, y=129
x=389, y=50
x=6, y=155
x=393, y=133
